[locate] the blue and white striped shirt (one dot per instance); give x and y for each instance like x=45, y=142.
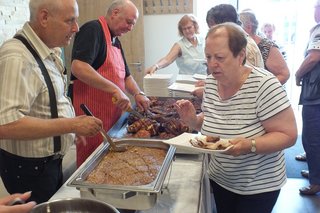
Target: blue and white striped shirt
x=260, y=97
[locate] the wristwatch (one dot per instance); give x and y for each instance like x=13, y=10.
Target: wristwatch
x=140, y=93
x=253, y=146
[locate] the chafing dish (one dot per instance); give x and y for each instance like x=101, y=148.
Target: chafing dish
x=124, y=197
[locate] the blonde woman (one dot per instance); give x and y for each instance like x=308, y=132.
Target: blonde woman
x=187, y=52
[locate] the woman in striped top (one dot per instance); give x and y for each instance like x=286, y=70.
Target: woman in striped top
x=249, y=106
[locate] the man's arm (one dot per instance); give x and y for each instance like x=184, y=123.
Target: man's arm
x=132, y=87
x=87, y=74
x=308, y=63
x=27, y=128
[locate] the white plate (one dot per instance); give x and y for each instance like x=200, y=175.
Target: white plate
x=182, y=87
x=183, y=142
x=185, y=79
x=203, y=61
x=199, y=76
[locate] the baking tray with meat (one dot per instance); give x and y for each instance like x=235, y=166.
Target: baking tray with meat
x=161, y=121
x=126, y=193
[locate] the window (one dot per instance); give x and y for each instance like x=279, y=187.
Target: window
x=292, y=28
x=292, y=31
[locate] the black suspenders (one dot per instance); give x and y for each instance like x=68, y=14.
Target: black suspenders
x=52, y=95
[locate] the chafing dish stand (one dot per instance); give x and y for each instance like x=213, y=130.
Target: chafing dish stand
x=185, y=188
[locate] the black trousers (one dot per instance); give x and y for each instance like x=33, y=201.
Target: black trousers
x=229, y=202
x=42, y=176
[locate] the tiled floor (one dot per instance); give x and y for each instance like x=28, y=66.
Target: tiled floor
x=290, y=201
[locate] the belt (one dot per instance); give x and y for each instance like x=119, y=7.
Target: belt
x=54, y=157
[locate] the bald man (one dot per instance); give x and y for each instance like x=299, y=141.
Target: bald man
x=37, y=124
x=101, y=71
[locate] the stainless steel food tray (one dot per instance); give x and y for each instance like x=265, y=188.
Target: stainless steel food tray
x=125, y=197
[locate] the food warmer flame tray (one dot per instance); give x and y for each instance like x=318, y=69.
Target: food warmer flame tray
x=126, y=197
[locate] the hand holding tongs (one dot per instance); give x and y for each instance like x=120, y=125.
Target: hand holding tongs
x=129, y=109
x=104, y=134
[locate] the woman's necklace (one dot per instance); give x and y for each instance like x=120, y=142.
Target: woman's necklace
x=193, y=41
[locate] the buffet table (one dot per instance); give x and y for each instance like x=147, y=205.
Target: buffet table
x=185, y=188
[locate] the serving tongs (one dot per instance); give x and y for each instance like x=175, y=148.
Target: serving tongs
x=134, y=112
x=129, y=109
x=103, y=132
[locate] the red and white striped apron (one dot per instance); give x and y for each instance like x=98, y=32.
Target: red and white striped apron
x=100, y=102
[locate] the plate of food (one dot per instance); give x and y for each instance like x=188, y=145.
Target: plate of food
x=200, y=143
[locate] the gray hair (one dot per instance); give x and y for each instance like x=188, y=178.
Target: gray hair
x=35, y=5
x=248, y=17
x=116, y=4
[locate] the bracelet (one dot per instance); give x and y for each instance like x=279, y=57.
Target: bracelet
x=140, y=93
x=253, y=146
x=157, y=66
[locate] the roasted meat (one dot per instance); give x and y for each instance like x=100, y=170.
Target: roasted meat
x=210, y=142
x=161, y=120
x=146, y=124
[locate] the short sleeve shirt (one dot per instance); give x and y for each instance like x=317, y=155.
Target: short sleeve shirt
x=259, y=98
x=253, y=57
x=23, y=92
x=90, y=46
x=314, y=41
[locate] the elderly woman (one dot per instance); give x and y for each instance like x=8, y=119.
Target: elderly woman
x=187, y=52
x=248, y=106
x=273, y=59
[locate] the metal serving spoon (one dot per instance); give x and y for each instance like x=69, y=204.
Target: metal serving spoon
x=103, y=132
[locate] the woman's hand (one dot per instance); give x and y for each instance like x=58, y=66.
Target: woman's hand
x=152, y=69
x=198, y=92
x=200, y=83
x=240, y=146
x=188, y=114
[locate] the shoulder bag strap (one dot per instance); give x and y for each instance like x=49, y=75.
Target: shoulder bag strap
x=52, y=95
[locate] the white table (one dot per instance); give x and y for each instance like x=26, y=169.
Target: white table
x=185, y=189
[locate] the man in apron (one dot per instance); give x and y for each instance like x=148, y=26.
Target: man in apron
x=101, y=70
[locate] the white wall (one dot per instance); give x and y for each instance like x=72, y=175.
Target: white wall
x=13, y=14
x=161, y=32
